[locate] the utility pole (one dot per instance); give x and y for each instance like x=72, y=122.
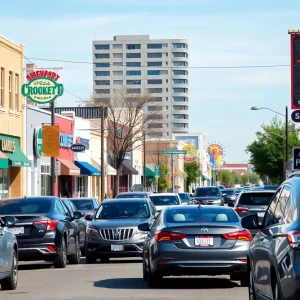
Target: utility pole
x=172, y=172
x=144, y=181
x=158, y=163
x=102, y=154
x=286, y=142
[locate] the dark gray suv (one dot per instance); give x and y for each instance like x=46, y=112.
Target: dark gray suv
x=274, y=255
x=113, y=230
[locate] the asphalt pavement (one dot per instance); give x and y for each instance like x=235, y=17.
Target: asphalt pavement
x=119, y=279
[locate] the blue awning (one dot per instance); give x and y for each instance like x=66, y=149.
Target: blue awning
x=87, y=169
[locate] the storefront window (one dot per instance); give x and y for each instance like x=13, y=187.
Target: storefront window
x=4, y=184
x=80, y=187
x=45, y=180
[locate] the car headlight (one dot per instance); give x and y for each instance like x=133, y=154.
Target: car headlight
x=139, y=232
x=90, y=230
x=232, y=197
x=216, y=201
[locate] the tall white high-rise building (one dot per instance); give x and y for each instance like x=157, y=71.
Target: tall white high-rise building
x=140, y=65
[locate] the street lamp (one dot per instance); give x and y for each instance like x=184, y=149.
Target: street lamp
x=286, y=133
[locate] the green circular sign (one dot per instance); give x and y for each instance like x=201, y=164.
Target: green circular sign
x=38, y=142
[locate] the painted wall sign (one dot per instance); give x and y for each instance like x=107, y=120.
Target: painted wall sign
x=85, y=142
x=77, y=147
x=42, y=87
x=296, y=116
x=66, y=140
x=38, y=142
x=7, y=146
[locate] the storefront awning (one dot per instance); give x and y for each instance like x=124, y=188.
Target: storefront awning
x=67, y=168
x=17, y=158
x=3, y=161
x=127, y=169
x=110, y=171
x=87, y=169
x=149, y=173
x=203, y=177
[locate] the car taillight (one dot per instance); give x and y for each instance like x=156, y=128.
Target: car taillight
x=169, y=236
x=294, y=239
x=243, y=235
x=241, y=209
x=51, y=224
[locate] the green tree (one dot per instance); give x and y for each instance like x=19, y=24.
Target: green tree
x=192, y=171
x=267, y=152
x=163, y=181
x=225, y=177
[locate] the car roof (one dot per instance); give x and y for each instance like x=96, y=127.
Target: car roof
x=81, y=198
x=258, y=191
x=207, y=187
x=131, y=193
x=164, y=194
x=32, y=198
x=125, y=199
x=186, y=207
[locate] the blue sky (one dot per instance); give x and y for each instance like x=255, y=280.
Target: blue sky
x=220, y=33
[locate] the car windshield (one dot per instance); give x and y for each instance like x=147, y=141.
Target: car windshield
x=200, y=215
x=255, y=199
x=123, y=210
x=25, y=206
x=184, y=197
x=221, y=187
x=126, y=196
x=164, y=200
x=229, y=192
x=205, y=192
x=83, y=204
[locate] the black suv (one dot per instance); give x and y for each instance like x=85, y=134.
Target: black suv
x=274, y=255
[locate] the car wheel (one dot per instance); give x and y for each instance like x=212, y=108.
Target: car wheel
x=251, y=288
x=154, y=278
x=276, y=292
x=60, y=261
x=83, y=251
x=11, y=282
x=104, y=259
x=74, y=259
x=90, y=257
x=145, y=271
x=245, y=280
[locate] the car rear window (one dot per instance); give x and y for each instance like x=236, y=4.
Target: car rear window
x=201, y=215
x=83, y=204
x=164, y=200
x=135, y=196
x=184, y=197
x=204, y=192
x=24, y=206
x=255, y=199
x=229, y=192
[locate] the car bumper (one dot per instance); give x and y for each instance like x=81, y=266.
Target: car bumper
x=178, y=268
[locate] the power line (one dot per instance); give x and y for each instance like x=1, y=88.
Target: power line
x=166, y=67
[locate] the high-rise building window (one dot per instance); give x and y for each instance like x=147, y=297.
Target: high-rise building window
x=102, y=91
x=154, y=63
x=155, y=99
x=155, y=90
x=45, y=180
x=133, y=64
x=180, y=117
x=10, y=92
x=180, y=72
x=157, y=72
x=133, y=82
x=117, y=64
x=180, y=64
x=133, y=73
x=102, y=55
x=154, y=108
x=154, y=55
x=180, y=54
x=117, y=55
x=118, y=82
x=180, y=107
x=102, y=47
x=154, y=81
x=102, y=65
x=180, y=90
x=133, y=91
x=118, y=73
x=180, y=99
x=179, y=125
x=1, y=87
x=17, y=88
x=179, y=45
x=180, y=81
x=133, y=46
x=133, y=55
x=102, y=73
x=102, y=82
x=154, y=46
x=117, y=46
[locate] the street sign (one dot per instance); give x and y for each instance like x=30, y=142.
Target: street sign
x=174, y=152
x=157, y=171
x=296, y=158
x=77, y=147
x=295, y=116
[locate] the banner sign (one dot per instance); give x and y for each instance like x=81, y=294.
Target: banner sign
x=295, y=71
x=215, y=152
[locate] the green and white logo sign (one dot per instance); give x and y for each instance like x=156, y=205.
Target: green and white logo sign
x=42, y=87
x=38, y=142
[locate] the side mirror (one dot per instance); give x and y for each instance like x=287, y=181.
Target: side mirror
x=89, y=217
x=77, y=215
x=9, y=221
x=223, y=195
x=250, y=222
x=144, y=227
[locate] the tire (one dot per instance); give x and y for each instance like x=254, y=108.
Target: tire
x=90, y=257
x=104, y=259
x=74, y=259
x=60, y=261
x=251, y=288
x=276, y=292
x=245, y=280
x=11, y=282
x=83, y=251
x=145, y=272
x=154, y=278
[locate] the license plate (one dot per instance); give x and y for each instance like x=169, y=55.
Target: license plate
x=204, y=241
x=261, y=214
x=17, y=230
x=117, y=248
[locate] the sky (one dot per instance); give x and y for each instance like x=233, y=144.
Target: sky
x=220, y=33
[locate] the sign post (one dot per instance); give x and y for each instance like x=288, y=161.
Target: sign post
x=157, y=171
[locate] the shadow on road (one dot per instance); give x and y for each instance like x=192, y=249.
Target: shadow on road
x=168, y=283
x=118, y=261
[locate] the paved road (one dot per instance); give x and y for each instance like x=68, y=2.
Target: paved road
x=118, y=280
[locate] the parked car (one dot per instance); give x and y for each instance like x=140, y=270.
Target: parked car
x=185, y=198
x=162, y=200
x=8, y=254
x=253, y=202
x=45, y=230
x=195, y=240
x=113, y=230
x=229, y=195
x=210, y=195
x=81, y=223
x=86, y=205
x=274, y=255
x=138, y=195
x=221, y=187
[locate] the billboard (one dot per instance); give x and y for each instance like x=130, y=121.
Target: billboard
x=295, y=71
x=191, y=147
x=215, y=152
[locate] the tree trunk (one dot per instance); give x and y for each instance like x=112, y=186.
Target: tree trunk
x=117, y=183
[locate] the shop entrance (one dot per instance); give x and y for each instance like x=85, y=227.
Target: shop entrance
x=65, y=186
